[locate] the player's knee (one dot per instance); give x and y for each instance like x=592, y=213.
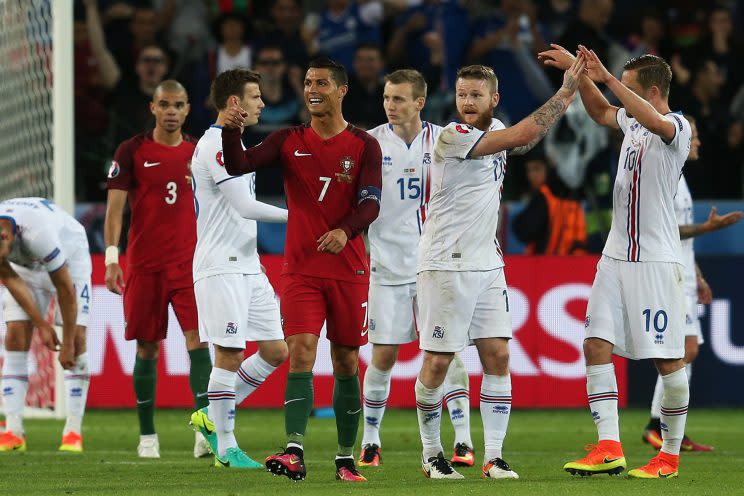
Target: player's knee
x=147, y=350
x=275, y=353
x=383, y=357
x=346, y=364
x=597, y=351
x=16, y=337
x=437, y=363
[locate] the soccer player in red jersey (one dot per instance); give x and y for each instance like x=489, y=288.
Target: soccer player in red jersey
x=151, y=170
x=332, y=177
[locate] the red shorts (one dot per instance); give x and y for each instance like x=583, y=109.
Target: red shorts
x=308, y=301
x=146, y=298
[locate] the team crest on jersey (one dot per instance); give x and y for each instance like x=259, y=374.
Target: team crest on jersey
x=346, y=164
x=114, y=170
x=231, y=328
x=371, y=324
x=438, y=332
x=463, y=128
x=427, y=158
x=218, y=158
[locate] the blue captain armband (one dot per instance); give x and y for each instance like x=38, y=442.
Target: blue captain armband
x=370, y=193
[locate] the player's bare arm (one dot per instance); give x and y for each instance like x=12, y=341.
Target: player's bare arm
x=68, y=308
x=117, y=198
x=715, y=222
x=22, y=294
x=634, y=105
x=595, y=103
x=523, y=136
x=705, y=294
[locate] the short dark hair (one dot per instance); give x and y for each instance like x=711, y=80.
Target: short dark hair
x=652, y=71
x=338, y=71
x=229, y=83
x=414, y=77
x=480, y=72
x=368, y=46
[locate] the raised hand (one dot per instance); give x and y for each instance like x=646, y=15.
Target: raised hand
x=573, y=74
x=594, y=68
x=716, y=222
x=558, y=57
x=234, y=115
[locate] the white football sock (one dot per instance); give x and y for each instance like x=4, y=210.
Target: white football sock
x=457, y=398
x=601, y=388
x=429, y=411
x=688, y=370
x=77, y=380
x=656, y=401
x=221, y=393
x=252, y=373
x=15, y=385
x=376, y=391
x=674, y=410
x=495, y=407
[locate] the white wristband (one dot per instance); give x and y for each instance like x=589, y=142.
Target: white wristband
x=112, y=255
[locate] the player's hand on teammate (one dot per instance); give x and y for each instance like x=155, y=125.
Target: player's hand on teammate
x=558, y=57
x=332, y=241
x=716, y=222
x=596, y=71
x=705, y=294
x=115, y=278
x=48, y=335
x=67, y=355
x=572, y=76
x=234, y=115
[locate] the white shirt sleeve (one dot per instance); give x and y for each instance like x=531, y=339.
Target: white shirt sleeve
x=46, y=246
x=215, y=164
x=622, y=119
x=682, y=133
x=237, y=195
x=458, y=140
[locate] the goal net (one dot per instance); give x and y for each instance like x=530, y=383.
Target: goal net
x=26, y=148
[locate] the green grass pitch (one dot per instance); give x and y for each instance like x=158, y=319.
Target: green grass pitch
x=538, y=444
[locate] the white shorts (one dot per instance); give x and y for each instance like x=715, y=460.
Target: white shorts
x=42, y=290
x=235, y=308
x=392, y=314
x=459, y=307
x=692, y=321
x=639, y=307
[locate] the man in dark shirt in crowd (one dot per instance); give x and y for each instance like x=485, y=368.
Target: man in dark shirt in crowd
x=363, y=104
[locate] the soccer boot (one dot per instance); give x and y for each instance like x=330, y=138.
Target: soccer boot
x=201, y=424
x=496, y=468
x=235, y=458
x=370, y=456
x=662, y=466
x=346, y=471
x=201, y=446
x=11, y=442
x=653, y=437
x=603, y=458
x=690, y=445
x=289, y=464
x=72, y=442
x=464, y=456
x=438, y=467
x=149, y=446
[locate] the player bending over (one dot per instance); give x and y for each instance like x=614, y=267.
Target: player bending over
x=636, y=307
x=43, y=254
x=236, y=303
x=151, y=170
x=463, y=297
x=696, y=291
x=407, y=145
x=332, y=178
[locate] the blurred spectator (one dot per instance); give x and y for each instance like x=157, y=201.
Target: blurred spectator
x=131, y=109
x=363, y=103
x=283, y=28
x=650, y=36
x=554, y=16
x=720, y=46
x=342, y=26
x=187, y=31
x=553, y=222
x=127, y=35
x=509, y=40
x=96, y=73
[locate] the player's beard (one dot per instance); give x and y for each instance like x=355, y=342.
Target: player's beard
x=483, y=122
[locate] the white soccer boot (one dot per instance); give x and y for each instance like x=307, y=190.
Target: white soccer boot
x=497, y=468
x=438, y=467
x=149, y=447
x=201, y=446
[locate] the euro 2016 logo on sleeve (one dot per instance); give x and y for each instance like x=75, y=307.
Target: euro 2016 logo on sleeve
x=463, y=128
x=114, y=170
x=218, y=158
x=438, y=332
x=231, y=328
x=346, y=164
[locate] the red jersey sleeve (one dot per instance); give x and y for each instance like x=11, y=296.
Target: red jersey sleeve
x=263, y=155
x=369, y=191
x=121, y=172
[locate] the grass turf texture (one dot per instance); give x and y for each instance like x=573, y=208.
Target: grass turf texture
x=537, y=446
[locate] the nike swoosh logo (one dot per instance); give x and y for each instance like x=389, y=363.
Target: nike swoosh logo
x=224, y=464
x=201, y=395
x=300, y=154
x=151, y=164
x=290, y=401
x=143, y=402
x=294, y=461
x=353, y=413
x=364, y=332
x=610, y=460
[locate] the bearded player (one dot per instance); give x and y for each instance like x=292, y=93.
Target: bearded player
x=151, y=172
x=333, y=185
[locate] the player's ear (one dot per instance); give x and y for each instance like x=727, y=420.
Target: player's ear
x=188, y=108
x=420, y=103
x=495, y=98
x=343, y=89
x=152, y=108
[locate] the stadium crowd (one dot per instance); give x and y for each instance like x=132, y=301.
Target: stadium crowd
x=123, y=49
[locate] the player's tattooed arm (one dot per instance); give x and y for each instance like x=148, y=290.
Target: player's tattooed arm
x=715, y=222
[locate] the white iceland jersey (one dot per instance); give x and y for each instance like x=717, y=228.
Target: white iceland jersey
x=460, y=231
x=394, y=235
x=683, y=209
x=644, y=225
x=46, y=237
x=225, y=241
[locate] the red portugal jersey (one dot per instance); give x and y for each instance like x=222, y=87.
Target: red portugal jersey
x=158, y=180
x=330, y=184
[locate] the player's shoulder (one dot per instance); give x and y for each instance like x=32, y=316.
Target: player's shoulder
x=131, y=145
x=679, y=121
x=361, y=134
x=457, y=132
x=379, y=132
x=496, y=125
